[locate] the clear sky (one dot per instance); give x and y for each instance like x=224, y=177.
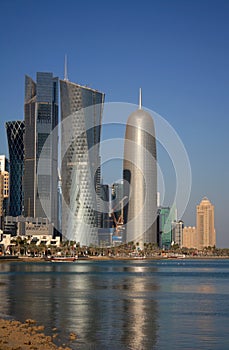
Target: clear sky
x=177, y=51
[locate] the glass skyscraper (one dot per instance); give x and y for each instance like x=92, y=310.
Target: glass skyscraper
x=140, y=178
x=15, y=134
x=81, y=116
x=41, y=119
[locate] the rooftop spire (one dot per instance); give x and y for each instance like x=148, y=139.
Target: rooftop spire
x=140, y=98
x=65, y=68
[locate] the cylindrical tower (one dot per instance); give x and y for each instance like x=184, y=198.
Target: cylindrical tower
x=15, y=134
x=140, y=178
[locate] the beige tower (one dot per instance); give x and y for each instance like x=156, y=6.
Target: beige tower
x=140, y=172
x=205, y=226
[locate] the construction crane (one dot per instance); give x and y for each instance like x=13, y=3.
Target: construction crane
x=118, y=223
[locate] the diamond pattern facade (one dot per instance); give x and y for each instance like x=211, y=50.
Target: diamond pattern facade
x=15, y=134
x=81, y=114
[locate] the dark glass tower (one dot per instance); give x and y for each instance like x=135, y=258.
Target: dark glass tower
x=15, y=134
x=81, y=114
x=41, y=118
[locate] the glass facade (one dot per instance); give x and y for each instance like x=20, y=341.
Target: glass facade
x=15, y=134
x=104, y=217
x=81, y=114
x=140, y=179
x=166, y=222
x=41, y=118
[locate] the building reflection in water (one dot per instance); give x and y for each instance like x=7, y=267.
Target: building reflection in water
x=107, y=304
x=140, y=314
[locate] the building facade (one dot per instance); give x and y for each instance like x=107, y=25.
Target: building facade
x=104, y=206
x=166, y=224
x=177, y=233
x=205, y=225
x=15, y=136
x=190, y=237
x=4, y=169
x=140, y=178
x=41, y=143
x=81, y=117
x=117, y=199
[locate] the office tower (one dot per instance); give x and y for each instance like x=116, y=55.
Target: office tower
x=190, y=237
x=4, y=169
x=140, y=172
x=104, y=206
x=117, y=199
x=15, y=134
x=81, y=116
x=205, y=228
x=166, y=222
x=41, y=118
x=177, y=232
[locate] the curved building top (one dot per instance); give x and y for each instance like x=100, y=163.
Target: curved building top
x=142, y=120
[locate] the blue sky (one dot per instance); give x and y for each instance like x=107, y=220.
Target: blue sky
x=177, y=51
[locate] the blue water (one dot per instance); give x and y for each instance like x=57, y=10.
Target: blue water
x=180, y=304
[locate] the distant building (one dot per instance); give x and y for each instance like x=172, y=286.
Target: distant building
x=190, y=237
x=1, y=197
x=205, y=226
x=140, y=178
x=117, y=199
x=15, y=135
x=104, y=207
x=41, y=118
x=166, y=220
x=28, y=226
x=177, y=233
x=4, y=170
x=203, y=235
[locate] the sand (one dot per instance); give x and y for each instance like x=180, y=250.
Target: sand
x=15, y=335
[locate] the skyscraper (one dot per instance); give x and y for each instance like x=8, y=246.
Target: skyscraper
x=41, y=118
x=140, y=172
x=104, y=207
x=206, y=235
x=117, y=199
x=15, y=134
x=81, y=116
x=166, y=221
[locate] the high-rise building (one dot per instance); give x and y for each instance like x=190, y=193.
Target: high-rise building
x=190, y=237
x=205, y=226
x=40, y=141
x=166, y=223
x=140, y=172
x=117, y=199
x=4, y=169
x=15, y=134
x=81, y=117
x=177, y=232
x=104, y=207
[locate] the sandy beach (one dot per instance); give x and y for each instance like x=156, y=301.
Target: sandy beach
x=15, y=335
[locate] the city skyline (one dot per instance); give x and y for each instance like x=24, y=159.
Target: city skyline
x=182, y=67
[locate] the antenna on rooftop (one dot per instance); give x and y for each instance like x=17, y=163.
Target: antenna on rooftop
x=140, y=98
x=65, y=68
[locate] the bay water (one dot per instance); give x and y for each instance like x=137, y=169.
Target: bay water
x=129, y=304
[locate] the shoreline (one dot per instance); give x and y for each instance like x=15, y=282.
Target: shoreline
x=15, y=335
x=118, y=258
